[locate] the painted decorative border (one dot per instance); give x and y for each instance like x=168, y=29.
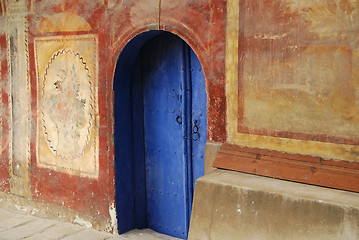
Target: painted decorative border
x=17, y=6
x=62, y=102
x=9, y=104
x=19, y=103
x=57, y=86
x=2, y=7
x=242, y=128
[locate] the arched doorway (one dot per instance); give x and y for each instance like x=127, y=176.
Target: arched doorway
x=160, y=133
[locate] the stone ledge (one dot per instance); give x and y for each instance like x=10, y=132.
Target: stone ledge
x=233, y=205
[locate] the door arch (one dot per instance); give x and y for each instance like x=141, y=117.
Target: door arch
x=160, y=116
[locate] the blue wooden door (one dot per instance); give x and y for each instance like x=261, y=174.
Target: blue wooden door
x=166, y=96
x=168, y=125
x=174, y=131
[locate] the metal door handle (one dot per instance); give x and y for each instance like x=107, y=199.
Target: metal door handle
x=179, y=119
x=195, y=135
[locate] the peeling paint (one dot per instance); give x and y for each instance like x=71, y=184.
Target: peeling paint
x=82, y=222
x=239, y=209
x=113, y=221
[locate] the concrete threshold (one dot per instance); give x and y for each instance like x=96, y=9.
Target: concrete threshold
x=232, y=205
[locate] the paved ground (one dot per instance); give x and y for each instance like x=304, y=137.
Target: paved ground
x=14, y=226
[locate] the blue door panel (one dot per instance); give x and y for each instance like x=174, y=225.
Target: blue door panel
x=165, y=153
x=124, y=163
x=199, y=114
x=139, y=166
x=123, y=154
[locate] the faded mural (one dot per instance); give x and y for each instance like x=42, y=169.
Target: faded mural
x=67, y=101
x=293, y=86
x=299, y=69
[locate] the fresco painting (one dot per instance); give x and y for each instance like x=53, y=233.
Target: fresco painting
x=293, y=86
x=298, y=73
x=67, y=104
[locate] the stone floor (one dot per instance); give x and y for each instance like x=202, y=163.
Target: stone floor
x=15, y=225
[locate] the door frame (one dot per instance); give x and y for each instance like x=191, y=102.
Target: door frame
x=126, y=60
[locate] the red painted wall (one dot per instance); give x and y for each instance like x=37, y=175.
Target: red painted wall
x=4, y=159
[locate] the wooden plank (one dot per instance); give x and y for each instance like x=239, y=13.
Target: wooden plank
x=293, y=167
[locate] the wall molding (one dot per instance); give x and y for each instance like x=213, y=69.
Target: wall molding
x=293, y=167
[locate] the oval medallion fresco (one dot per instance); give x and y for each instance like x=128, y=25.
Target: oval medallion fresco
x=67, y=104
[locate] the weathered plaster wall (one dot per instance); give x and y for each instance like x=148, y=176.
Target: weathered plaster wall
x=280, y=75
x=293, y=84
x=15, y=98
x=70, y=161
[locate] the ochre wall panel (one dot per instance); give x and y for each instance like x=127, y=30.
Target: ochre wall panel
x=293, y=84
x=67, y=76
x=297, y=77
